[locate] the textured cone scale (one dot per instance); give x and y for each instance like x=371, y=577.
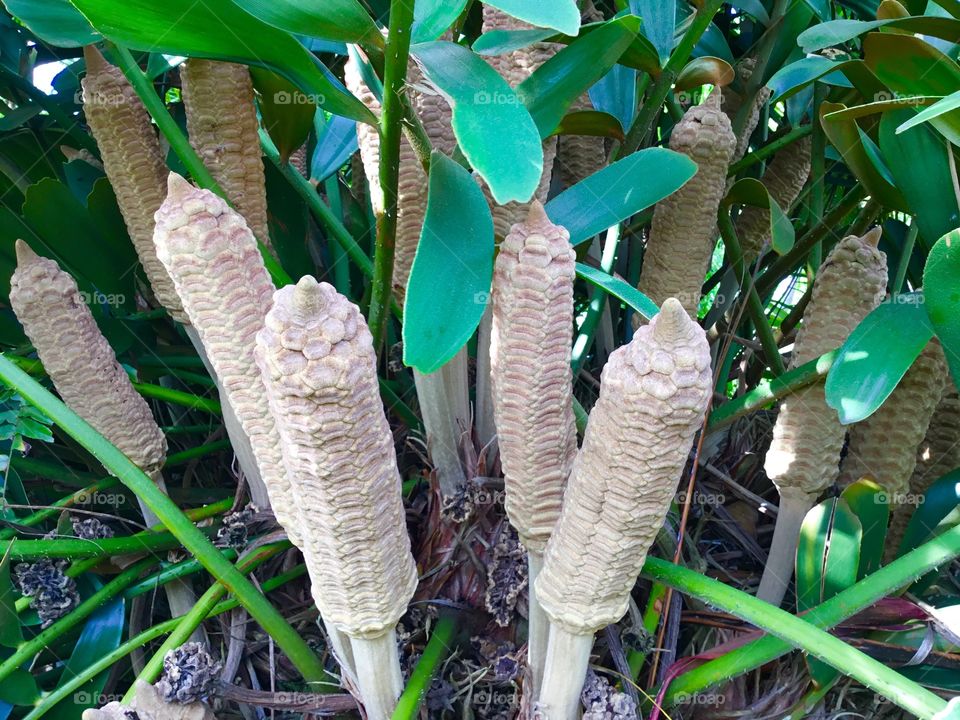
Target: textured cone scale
x=884, y=446
x=784, y=179
x=316, y=355
x=653, y=394
x=808, y=437
x=683, y=233
x=223, y=127
x=220, y=277
x=733, y=102
x=134, y=163
x=530, y=371
x=80, y=361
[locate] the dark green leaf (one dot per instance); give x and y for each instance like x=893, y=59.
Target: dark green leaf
x=791, y=78
x=336, y=142
x=619, y=191
x=56, y=21
x=942, y=294
x=755, y=8
x=452, y=271
x=869, y=502
x=342, y=20
x=876, y=356
x=835, y=32
x=550, y=91
x=616, y=93
x=750, y=191
x=659, y=22
x=592, y=123
x=937, y=508
x=562, y=15
x=19, y=688
x=286, y=114
x=620, y=289
x=185, y=27
x=431, y=18
x=494, y=129
x=12, y=119
x=289, y=225
x=10, y=633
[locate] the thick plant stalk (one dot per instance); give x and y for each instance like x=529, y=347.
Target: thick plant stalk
x=532, y=384
x=804, y=456
x=784, y=179
x=733, y=102
x=684, y=230
x=219, y=274
x=134, y=163
x=317, y=360
x=85, y=371
x=653, y=395
x=222, y=125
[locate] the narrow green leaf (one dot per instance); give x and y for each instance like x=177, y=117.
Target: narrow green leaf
x=450, y=281
x=948, y=104
x=620, y=289
x=494, y=129
x=340, y=20
x=500, y=42
x=10, y=633
x=432, y=18
x=836, y=32
x=750, y=191
x=286, y=114
x=620, y=191
x=937, y=509
x=185, y=27
x=562, y=15
x=550, y=91
x=56, y=21
x=943, y=297
x=876, y=356
x=869, y=502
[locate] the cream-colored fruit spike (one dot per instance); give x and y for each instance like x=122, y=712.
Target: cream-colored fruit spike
x=530, y=370
x=223, y=127
x=134, y=163
x=219, y=274
x=683, y=234
x=784, y=179
x=733, y=102
x=807, y=438
x=653, y=395
x=80, y=361
x=317, y=359
x=884, y=446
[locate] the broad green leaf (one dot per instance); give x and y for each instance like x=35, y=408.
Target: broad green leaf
x=450, y=281
x=620, y=191
x=616, y=93
x=56, y=21
x=562, y=15
x=185, y=27
x=755, y=8
x=791, y=78
x=336, y=142
x=286, y=114
x=714, y=42
x=918, y=161
x=10, y=633
x=19, y=688
x=500, y=42
x=943, y=298
x=289, y=225
x=550, y=91
x=835, y=32
x=592, y=123
x=496, y=132
x=12, y=119
x=876, y=356
x=620, y=289
x=432, y=18
x=870, y=503
x=751, y=191
x=341, y=20
x=948, y=104
x=938, y=510
x=659, y=23
x=703, y=71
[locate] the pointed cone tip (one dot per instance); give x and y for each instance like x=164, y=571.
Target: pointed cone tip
x=671, y=318
x=537, y=213
x=178, y=187
x=94, y=59
x=872, y=238
x=25, y=253
x=307, y=296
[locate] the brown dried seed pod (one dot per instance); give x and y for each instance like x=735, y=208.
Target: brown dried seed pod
x=316, y=355
x=530, y=371
x=219, y=274
x=683, y=234
x=653, y=395
x=223, y=128
x=884, y=446
x=733, y=102
x=134, y=163
x=784, y=179
x=80, y=361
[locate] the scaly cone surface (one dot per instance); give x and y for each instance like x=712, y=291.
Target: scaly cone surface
x=732, y=103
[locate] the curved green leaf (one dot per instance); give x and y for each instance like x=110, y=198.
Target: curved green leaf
x=562, y=15
x=500, y=42
x=494, y=129
x=450, y=281
x=285, y=114
x=943, y=297
x=592, y=123
x=336, y=142
x=431, y=18
x=620, y=289
x=620, y=191
x=340, y=20
x=750, y=191
x=704, y=70
x=659, y=23
x=937, y=508
x=876, y=356
x=944, y=105
x=869, y=502
x=835, y=32
x=56, y=21
x=792, y=78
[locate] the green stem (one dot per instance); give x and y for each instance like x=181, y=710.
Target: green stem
x=185, y=456
x=391, y=132
x=801, y=634
x=170, y=573
x=754, y=304
x=761, y=154
x=637, y=136
x=74, y=548
x=70, y=500
x=885, y=581
x=192, y=539
x=439, y=646
x=178, y=397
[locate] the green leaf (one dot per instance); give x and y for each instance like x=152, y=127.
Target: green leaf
x=562, y=15
x=452, y=270
x=918, y=161
x=704, y=70
x=937, y=508
x=185, y=27
x=835, y=32
x=496, y=133
x=620, y=289
x=19, y=688
x=876, y=356
x=751, y=191
x=431, y=18
x=336, y=142
x=869, y=502
x=10, y=633
x=592, y=123
x=56, y=21
x=659, y=23
x=620, y=191
x=340, y=20
x=948, y=104
x=550, y=91
x=791, y=78
x=500, y=42
x=285, y=113
x=942, y=296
